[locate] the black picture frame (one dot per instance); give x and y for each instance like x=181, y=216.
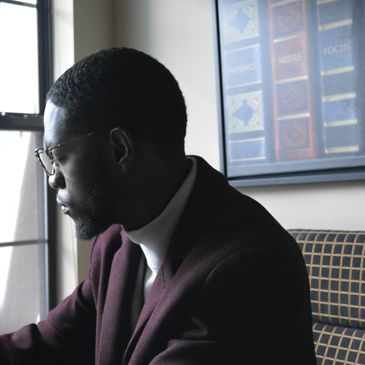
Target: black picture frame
x=346, y=163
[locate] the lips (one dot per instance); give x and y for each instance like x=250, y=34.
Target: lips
x=64, y=206
x=65, y=209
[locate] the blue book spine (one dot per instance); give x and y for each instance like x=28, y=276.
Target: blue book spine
x=247, y=107
x=339, y=71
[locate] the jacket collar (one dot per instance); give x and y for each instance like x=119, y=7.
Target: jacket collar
x=121, y=281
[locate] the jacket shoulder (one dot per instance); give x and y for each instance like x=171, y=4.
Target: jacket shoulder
x=104, y=247
x=107, y=242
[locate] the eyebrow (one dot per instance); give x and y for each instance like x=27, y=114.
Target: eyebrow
x=65, y=143
x=45, y=144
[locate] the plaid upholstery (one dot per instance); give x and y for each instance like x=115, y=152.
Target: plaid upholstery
x=335, y=262
x=339, y=345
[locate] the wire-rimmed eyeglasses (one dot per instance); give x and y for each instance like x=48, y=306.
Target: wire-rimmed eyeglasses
x=45, y=155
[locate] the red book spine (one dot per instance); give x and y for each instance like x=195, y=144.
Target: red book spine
x=294, y=131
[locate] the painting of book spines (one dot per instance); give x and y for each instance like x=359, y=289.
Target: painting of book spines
x=292, y=82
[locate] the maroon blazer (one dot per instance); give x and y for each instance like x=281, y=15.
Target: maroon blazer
x=233, y=289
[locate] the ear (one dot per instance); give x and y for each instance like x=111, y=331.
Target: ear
x=123, y=147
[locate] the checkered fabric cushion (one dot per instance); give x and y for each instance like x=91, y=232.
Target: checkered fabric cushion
x=339, y=345
x=335, y=262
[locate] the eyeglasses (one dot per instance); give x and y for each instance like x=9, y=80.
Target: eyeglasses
x=45, y=155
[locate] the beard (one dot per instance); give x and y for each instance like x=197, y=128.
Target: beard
x=95, y=213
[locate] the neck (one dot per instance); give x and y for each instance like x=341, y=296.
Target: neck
x=153, y=188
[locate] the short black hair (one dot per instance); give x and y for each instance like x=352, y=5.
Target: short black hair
x=126, y=88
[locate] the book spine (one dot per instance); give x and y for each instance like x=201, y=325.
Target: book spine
x=292, y=103
x=339, y=76
x=243, y=76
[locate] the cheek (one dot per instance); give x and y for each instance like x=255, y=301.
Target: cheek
x=93, y=171
x=78, y=170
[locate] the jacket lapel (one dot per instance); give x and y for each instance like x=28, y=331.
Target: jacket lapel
x=165, y=297
x=115, y=328
x=150, y=304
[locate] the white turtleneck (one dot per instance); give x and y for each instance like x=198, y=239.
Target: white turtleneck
x=154, y=238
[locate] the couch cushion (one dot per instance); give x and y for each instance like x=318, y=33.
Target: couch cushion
x=335, y=262
x=339, y=345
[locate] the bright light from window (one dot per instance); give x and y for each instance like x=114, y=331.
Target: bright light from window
x=23, y=242
x=22, y=267
x=19, y=59
x=23, y=287
x=13, y=158
x=5, y=260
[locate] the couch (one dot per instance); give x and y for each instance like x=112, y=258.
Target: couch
x=335, y=262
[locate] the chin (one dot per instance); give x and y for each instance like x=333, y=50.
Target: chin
x=86, y=229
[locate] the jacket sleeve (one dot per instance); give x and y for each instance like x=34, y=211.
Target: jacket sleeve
x=66, y=336
x=252, y=309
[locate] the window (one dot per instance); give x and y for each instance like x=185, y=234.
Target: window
x=25, y=250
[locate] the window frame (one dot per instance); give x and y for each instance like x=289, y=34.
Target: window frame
x=34, y=122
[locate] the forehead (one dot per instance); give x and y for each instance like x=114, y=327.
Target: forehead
x=56, y=128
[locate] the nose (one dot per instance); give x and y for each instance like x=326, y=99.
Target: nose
x=56, y=181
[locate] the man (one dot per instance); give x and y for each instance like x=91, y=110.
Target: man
x=184, y=269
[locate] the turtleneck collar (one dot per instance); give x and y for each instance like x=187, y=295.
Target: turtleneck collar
x=154, y=237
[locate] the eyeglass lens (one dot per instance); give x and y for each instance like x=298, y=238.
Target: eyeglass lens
x=47, y=162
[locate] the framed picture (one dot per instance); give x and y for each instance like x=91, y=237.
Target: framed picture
x=291, y=90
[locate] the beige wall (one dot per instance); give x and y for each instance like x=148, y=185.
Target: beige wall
x=180, y=34
x=63, y=58
x=80, y=27
x=93, y=26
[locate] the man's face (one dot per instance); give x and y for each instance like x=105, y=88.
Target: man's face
x=85, y=174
